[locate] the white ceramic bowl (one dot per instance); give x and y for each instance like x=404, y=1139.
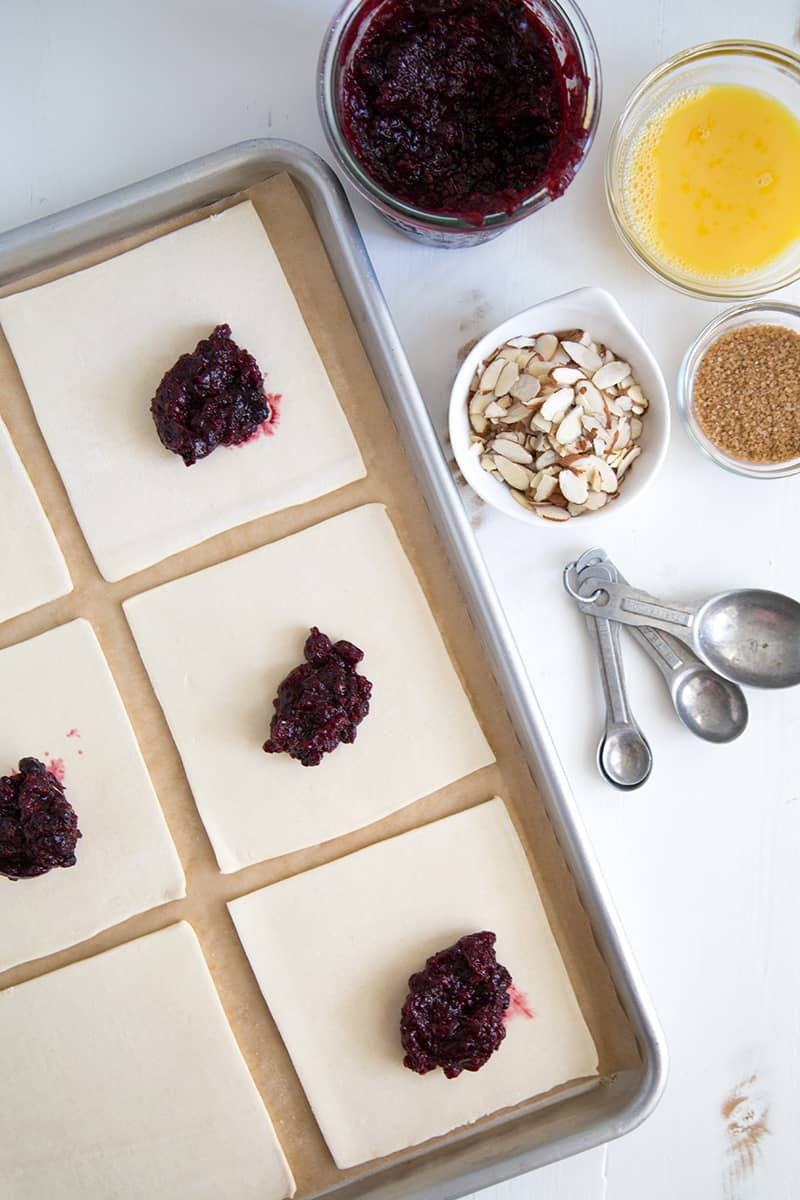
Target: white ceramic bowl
x=597, y=311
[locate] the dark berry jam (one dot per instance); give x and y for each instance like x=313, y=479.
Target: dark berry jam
x=38, y=825
x=211, y=397
x=454, y=1014
x=320, y=703
x=462, y=106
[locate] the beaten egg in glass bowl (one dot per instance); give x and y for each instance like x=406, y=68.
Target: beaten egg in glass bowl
x=703, y=170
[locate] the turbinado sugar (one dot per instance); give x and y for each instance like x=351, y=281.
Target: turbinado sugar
x=747, y=393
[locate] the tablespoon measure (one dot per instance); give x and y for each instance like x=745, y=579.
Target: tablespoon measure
x=624, y=757
x=749, y=635
x=711, y=707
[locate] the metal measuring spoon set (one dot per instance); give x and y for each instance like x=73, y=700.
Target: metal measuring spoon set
x=703, y=651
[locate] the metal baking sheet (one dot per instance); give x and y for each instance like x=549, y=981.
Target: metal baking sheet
x=566, y=1125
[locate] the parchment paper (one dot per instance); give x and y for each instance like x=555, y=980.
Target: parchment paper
x=391, y=481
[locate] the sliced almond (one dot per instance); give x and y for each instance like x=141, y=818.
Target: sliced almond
x=523, y=500
x=494, y=410
x=583, y=462
x=623, y=433
x=538, y=367
x=511, y=450
x=546, y=459
x=549, y=512
x=607, y=479
x=515, y=475
x=545, y=488
x=525, y=388
x=570, y=427
x=595, y=500
x=573, y=487
x=479, y=401
x=589, y=397
x=546, y=345
x=636, y=428
x=517, y=412
x=632, y=454
x=565, y=376
x=591, y=423
x=541, y=423
x=557, y=404
x=478, y=422
x=491, y=375
x=487, y=462
x=611, y=374
x=507, y=377
x=521, y=343
x=584, y=356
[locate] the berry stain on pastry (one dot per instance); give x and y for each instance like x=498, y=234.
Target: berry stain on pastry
x=56, y=767
x=212, y=397
x=38, y=825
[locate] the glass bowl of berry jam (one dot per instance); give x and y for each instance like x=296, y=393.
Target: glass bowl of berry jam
x=457, y=118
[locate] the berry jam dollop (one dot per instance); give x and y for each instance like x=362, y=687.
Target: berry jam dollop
x=320, y=703
x=462, y=107
x=211, y=397
x=453, y=1015
x=38, y=825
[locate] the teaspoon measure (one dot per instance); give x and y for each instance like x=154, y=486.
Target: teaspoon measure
x=709, y=706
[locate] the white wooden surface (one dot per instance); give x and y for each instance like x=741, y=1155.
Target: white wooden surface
x=703, y=861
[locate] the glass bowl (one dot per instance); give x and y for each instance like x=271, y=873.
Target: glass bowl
x=734, y=318
x=769, y=69
x=562, y=18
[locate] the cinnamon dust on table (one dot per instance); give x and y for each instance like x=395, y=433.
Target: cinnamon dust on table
x=745, y=1112
x=747, y=393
